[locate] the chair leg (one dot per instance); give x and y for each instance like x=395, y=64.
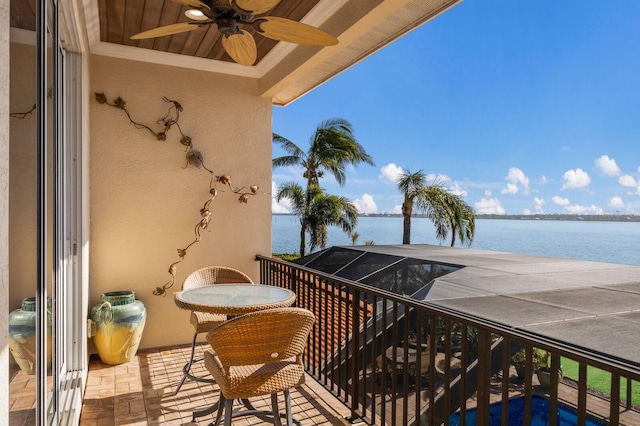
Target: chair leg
x=287, y=404
x=228, y=408
x=187, y=367
x=275, y=410
x=221, y=407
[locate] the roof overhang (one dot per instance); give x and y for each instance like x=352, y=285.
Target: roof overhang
x=289, y=71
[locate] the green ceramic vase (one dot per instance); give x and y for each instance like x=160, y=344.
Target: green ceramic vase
x=119, y=319
x=22, y=335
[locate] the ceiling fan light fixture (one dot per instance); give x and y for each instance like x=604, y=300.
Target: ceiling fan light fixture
x=196, y=15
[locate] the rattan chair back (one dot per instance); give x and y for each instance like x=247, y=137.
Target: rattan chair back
x=262, y=337
x=215, y=275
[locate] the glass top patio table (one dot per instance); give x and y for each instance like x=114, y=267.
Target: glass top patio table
x=234, y=299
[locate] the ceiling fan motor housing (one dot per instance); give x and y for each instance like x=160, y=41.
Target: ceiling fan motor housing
x=228, y=24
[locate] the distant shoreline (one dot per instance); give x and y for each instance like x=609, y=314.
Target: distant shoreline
x=568, y=217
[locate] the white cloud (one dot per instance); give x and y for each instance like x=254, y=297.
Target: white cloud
x=456, y=189
x=283, y=206
x=489, y=206
x=542, y=180
x=537, y=205
x=578, y=209
x=577, y=178
x=278, y=207
x=366, y=205
x=627, y=180
x=526, y=212
x=616, y=202
x=517, y=181
x=607, y=166
x=488, y=192
x=560, y=201
x=397, y=209
x=390, y=172
x=437, y=178
x=511, y=188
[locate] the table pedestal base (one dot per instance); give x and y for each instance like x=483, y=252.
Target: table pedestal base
x=263, y=415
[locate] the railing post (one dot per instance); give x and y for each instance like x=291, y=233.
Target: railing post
x=484, y=376
x=293, y=280
x=614, y=408
x=355, y=353
x=553, y=392
x=582, y=393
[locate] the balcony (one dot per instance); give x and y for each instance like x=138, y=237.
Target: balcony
x=359, y=331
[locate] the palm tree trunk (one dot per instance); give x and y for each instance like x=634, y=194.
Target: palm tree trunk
x=303, y=243
x=453, y=232
x=406, y=213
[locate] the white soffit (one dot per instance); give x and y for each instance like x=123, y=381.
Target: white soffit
x=383, y=25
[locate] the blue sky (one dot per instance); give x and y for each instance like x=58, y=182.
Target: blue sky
x=521, y=106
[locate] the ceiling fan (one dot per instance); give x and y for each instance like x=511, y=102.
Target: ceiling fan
x=229, y=15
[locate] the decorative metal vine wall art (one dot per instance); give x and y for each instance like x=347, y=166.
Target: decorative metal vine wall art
x=193, y=158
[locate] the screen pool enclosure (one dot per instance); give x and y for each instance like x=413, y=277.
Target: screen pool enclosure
x=397, y=274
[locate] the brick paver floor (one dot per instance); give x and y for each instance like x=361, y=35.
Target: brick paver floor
x=141, y=393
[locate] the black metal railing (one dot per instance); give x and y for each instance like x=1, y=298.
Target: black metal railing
x=398, y=361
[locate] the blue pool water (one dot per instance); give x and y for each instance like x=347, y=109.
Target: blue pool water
x=539, y=414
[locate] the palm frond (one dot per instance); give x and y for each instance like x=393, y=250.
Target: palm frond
x=287, y=145
x=411, y=183
x=295, y=194
x=287, y=160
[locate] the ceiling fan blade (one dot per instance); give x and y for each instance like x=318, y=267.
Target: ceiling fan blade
x=292, y=31
x=192, y=3
x=181, y=27
x=241, y=47
x=256, y=7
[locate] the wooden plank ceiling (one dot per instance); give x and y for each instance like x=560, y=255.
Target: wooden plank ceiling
x=22, y=14
x=120, y=19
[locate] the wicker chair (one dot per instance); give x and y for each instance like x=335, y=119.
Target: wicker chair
x=203, y=322
x=258, y=354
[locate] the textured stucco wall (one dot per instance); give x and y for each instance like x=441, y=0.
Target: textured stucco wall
x=4, y=205
x=144, y=203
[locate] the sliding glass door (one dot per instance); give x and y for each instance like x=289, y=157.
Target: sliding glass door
x=47, y=292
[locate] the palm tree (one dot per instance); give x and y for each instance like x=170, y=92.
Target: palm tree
x=332, y=147
x=447, y=211
x=316, y=211
x=412, y=187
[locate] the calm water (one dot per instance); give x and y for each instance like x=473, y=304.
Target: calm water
x=614, y=242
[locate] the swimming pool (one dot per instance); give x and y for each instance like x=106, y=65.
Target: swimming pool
x=539, y=414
